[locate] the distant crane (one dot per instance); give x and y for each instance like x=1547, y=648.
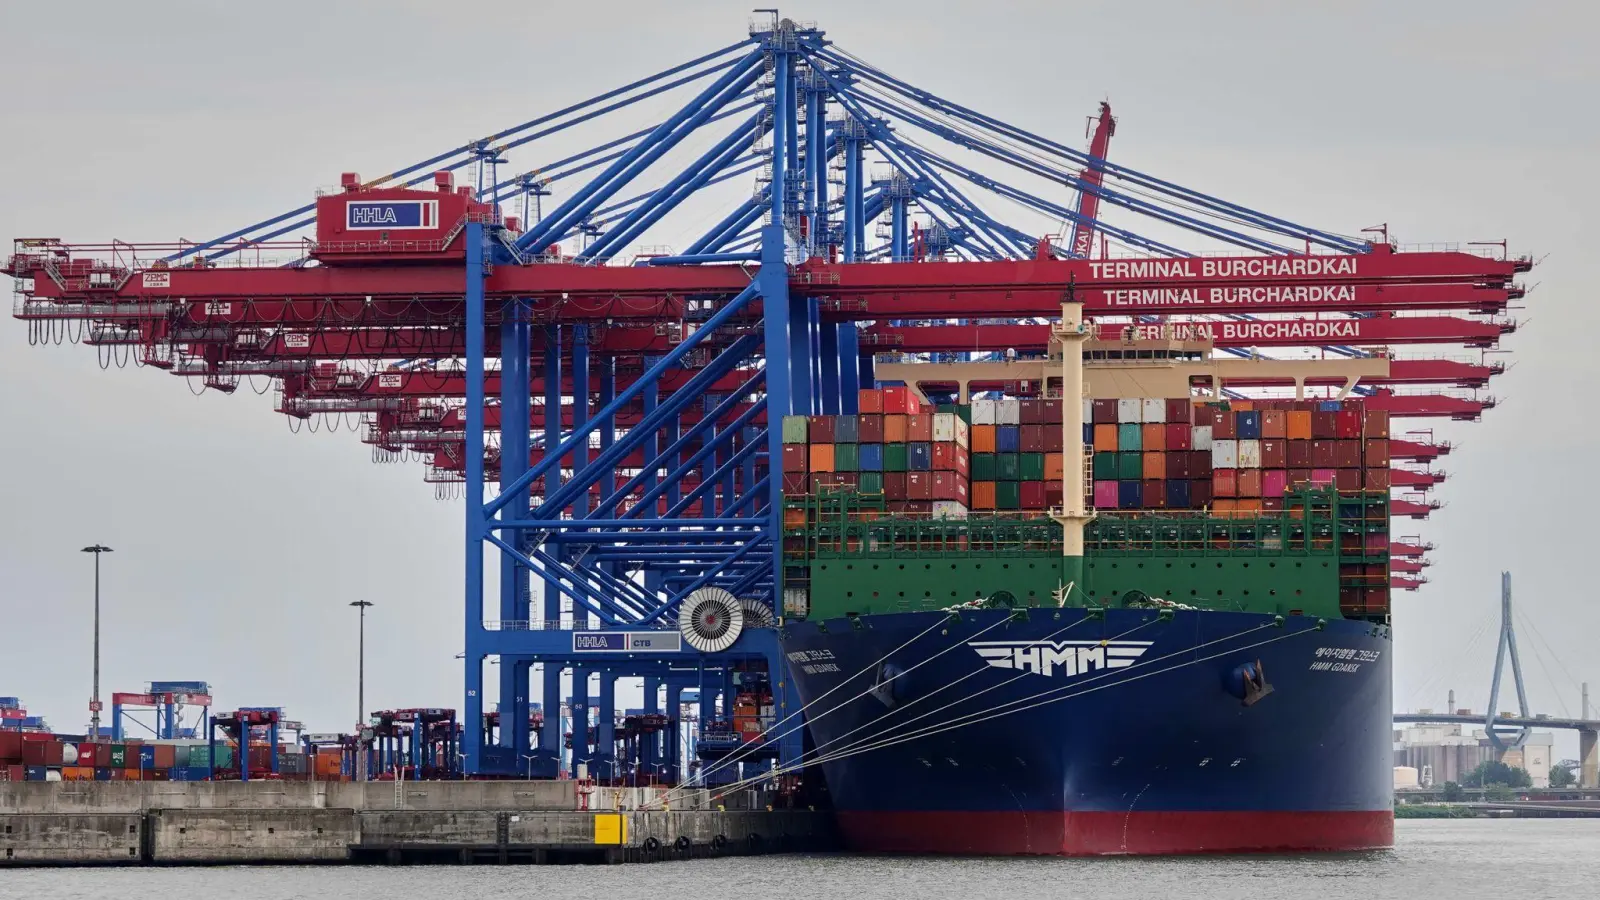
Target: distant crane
x=1093, y=176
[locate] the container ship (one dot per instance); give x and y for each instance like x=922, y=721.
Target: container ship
x=1098, y=609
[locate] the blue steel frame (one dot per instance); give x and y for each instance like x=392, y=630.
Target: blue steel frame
x=564, y=517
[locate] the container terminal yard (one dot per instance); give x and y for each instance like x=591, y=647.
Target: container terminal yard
x=724, y=472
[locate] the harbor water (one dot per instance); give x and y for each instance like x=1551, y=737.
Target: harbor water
x=1523, y=858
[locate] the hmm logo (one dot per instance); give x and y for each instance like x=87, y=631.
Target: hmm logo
x=1060, y=657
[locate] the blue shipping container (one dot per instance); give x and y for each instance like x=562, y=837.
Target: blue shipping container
x=1088, y=432
x=33, y=773
x=1130, y=494
x=1249, y=425
x=1329, y=406
x=869, y=457
x=1008, y=439
x=147, y=757
x=920, y=457
x=198, y=773
x=1177, y=494
x=102, y=774
x=846, y=429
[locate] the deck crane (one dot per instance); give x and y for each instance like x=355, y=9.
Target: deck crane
x=595, y=389
x=1093, y=177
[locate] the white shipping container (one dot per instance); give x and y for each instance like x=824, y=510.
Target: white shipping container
x=1088, y=410
x=949, y=509
x=1249, y=454
x=1155, y=410
x=944, y=427
x=1200, y=437
x=1225, y=454
x=983, y=412
x=1008, y=411
x=963, y=432
x=1130, y=410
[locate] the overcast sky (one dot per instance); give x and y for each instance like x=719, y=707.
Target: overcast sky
x=238, y=544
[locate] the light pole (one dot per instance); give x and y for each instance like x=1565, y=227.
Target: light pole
x=94, y=701
x=361, y=689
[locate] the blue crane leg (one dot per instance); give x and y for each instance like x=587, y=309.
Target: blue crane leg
x=515, y=426
x=476, y=637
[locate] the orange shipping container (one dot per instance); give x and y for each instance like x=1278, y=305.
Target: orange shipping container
x=894, y=429
x=982, y=438
x=1299, y=424
x=1250, y=506
x=870, y=401
x=1155, y=466
x=1053, y=466
x=1105, y=438
x=821, y=458
x=1249, y=482
x=983, y=495
x=1154, y=438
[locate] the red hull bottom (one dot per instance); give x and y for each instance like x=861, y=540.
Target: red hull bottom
x=1109, y=833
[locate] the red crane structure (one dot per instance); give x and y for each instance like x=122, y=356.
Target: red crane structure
x=621, y=399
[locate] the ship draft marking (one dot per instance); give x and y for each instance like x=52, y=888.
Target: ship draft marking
x=1067, y=658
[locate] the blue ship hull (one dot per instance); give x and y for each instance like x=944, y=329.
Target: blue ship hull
x=1123, y=732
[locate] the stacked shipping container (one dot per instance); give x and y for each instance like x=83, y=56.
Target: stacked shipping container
x=1232, y=456
x=34, y=756
x=916, y=458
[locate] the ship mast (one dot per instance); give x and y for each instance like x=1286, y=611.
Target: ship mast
x=1074, y=513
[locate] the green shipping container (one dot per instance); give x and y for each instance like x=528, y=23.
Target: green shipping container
x=1130, y=437
x=846, y=457
x=794, y=429
x=1008, y=495
x=1032, y=467
x=1105, y=467
x=983, y=467
x=1008, y=466
x=895, y=457
x=199, y=756
x=119, y=756
x=1130, y=466
x=871, y=482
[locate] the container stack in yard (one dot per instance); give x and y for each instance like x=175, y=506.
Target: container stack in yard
x=29, y=756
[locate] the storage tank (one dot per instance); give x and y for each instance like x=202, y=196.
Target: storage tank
x=69, y=754
x=1405, y=778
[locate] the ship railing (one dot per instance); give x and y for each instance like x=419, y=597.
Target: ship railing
x=570, y=625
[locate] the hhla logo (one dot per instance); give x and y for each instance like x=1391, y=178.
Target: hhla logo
x=1060, y=657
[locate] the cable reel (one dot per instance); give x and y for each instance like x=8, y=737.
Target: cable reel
x=756, y=613
x=711, y=619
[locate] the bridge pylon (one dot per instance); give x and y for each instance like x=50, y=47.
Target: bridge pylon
x=1508, y=643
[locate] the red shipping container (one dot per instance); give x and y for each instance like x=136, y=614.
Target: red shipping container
x=1052, y=495
x=1324, y=455
x=1274, y=482
x=1031, y=412
x=1179, y=412
x=1033, y=436
x=795, y=458
x=795, y=485
x=1376, y=454
x=1033, y=495
x=1178, y=465
x=894, y=485
x=1227, y=427
x=1347, y=454
x=922, y=508
x=15, y=772
x=1249, y=482
x=1347, y=424
x=1053, y=437
x=819, y=429
x=1224, y=483
x=1272, y=504
x=1208, y=415
x=1154, y=437
x=1299, y=454
x=919, y=428
x=1199, y=463
x=1154, y=495
x=86, y=755
x=1274, y=424
x=983, y=495
x=869, y=430
x=1375, y=480
x=870, y=401
x=1324, y=426
x=1200, y=492
x=949, y=486
x=1155, y=466
x=1052, y=414
x=1377, y=423
x=1348, y=480
x=47, y=752
x=1299, y=478
x=1178, y=436
x=919, y=485
x=1323, y=477
x=1275, y=454
x=1104, y=412
x=10, y=746
x=898, y=400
